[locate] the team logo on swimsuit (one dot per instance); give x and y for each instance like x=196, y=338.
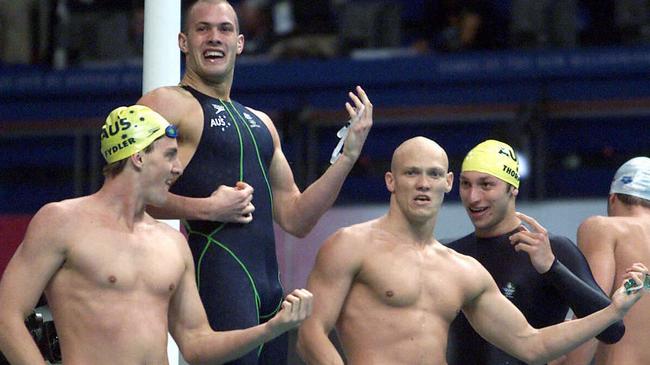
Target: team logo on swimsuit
x=251, y=121
x=509, y=290
x=218, y=108
x=220, y=122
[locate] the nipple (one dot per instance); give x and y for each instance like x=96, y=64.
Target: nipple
x=112, y=279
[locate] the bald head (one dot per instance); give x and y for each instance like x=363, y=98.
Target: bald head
x=418, y=146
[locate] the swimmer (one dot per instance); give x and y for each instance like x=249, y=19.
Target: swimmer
x=392, y=289
x=230, y=229
x=609, y=244
x=542, y=274
x=117, y=280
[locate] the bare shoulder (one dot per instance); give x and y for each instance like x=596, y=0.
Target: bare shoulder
x=54, y=222
x=348, y=242
x=260, y=114
x=463, y=263
x=599, y=229
x=468, y=273
x=162, y=231
x=595, y=222
x=62, y=213
x=172, y=102
x=267, y=121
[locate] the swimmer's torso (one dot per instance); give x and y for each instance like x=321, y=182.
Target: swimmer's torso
x=231, y=144
x=399, y=307
x=110, y=296
x=537, y=299
x=632, y=244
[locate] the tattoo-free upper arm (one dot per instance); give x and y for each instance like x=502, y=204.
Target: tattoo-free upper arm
x=330, y=280
x=495, y=318
x=597, y=245
x=36, y=260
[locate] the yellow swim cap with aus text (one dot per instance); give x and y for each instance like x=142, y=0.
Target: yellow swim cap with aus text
x=128, y=130
x=494, y=158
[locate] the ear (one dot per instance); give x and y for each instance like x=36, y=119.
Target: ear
x=514, y=191
x=390, y=181
x=182, y=42
x=611, y=199
x=136, y=160
x=240, y=44
x=450, y=181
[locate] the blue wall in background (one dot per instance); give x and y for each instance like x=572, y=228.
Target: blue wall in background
x=590, y=110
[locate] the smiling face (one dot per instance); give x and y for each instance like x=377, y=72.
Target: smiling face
x=211, y=41
x=418, y=179
x=160, y=169
x=489, y=203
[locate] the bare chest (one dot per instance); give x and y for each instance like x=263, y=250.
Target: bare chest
x=411, y=280
x=144, y=262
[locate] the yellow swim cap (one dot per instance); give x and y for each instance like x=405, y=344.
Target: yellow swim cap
x=128, y=130
x=494, y=158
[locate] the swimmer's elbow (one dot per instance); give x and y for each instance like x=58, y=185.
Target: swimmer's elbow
x=532, y=351
x=296, y=227
x=301, y=233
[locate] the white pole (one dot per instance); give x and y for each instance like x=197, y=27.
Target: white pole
x=161, y=60
x=161, y=66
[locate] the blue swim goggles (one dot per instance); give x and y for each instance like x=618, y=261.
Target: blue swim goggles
x=171, y=131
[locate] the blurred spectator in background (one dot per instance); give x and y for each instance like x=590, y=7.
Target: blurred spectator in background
x=632, y=21
x=17, y=31
x=368, y=24
x=305, y=29
x=257, y=25
x=457, y=25
x=90, y=31
x=599, y=28
x=543, y=23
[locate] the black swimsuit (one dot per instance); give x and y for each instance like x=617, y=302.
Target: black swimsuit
x=236, y=264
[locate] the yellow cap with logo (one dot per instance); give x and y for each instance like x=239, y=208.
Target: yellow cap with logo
x=495, y=158
x=128, y=130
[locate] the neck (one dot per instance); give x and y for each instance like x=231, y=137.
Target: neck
x=632, y=211
x=216, y=89
x=420, y=232
x=122, y=198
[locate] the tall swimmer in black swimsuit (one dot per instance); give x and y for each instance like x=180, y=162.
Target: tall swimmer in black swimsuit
x=543, y=278
x=229, y=151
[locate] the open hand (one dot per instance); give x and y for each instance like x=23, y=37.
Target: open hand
x=361, y=121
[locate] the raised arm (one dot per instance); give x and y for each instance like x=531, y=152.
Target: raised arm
x=569, y=274
x=296, y=212
x=330, y=280
x=501, y=323
x=36, y=260
x=226, y=203
x=597, y=243
x=199, y=344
